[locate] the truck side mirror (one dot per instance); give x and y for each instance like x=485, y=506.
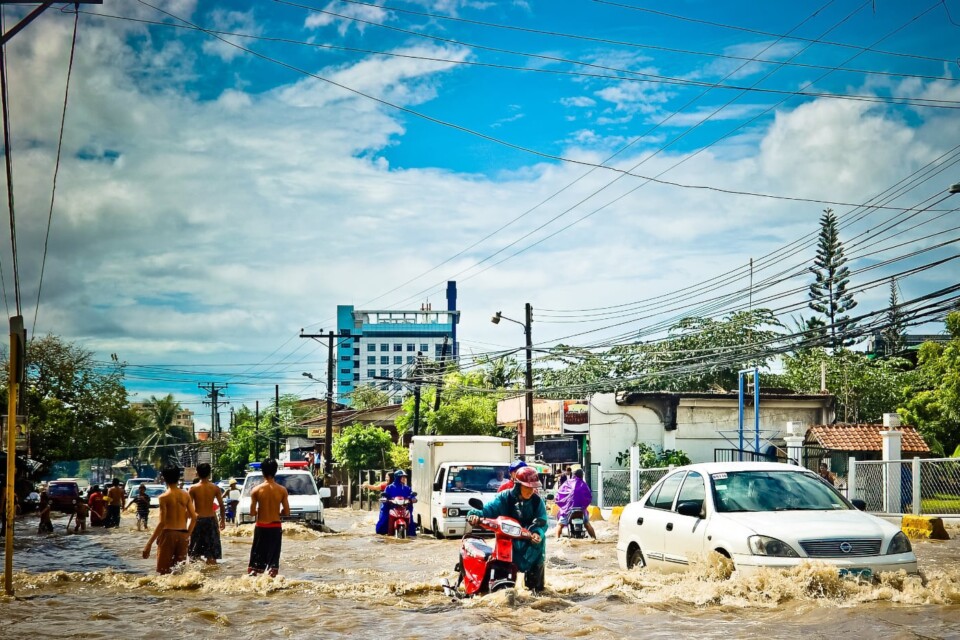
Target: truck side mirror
x=437, y=486
x=475, y=503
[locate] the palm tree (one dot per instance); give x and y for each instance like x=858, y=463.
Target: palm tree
x=159, y=431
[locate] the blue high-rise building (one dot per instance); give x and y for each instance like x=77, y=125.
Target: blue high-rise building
x=385, y=343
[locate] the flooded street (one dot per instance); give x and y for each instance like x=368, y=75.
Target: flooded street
x=354, y=583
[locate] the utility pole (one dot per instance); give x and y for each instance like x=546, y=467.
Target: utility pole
x=443, y=370
x=213, y=392
x=528, y=331
x=256, y=432
x=328, y=435
x=275, y=440
x=416, y=396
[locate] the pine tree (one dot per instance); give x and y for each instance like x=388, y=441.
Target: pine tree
x=828, y=293
x=896, y=321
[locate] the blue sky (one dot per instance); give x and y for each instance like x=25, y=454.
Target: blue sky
x=211, y=202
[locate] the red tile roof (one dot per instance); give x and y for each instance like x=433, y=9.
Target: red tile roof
x=863, y=437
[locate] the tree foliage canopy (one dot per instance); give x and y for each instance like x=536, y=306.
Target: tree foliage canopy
x=932, y=402
x=466, y=407
x=362, y=446
x=76, y=407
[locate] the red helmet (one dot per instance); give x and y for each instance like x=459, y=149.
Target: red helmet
x=527, y=476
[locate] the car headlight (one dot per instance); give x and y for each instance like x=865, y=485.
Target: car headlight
x=899, y=544
x=767, y=546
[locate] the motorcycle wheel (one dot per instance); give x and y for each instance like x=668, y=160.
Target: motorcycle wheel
x=401, y=532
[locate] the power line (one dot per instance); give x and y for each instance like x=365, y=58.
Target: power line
x=769, y=34
x=56, y=171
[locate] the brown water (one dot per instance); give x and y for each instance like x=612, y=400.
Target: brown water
x=354, y=583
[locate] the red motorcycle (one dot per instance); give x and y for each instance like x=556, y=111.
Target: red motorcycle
x=398, y=515
x=483, y=568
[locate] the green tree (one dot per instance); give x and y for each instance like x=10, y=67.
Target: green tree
x=502, y=373
x=865, y=389
x=245, y=442
x=362, y=446
x=896, y=321
x=467, y=407
x=932, y=402
x=828, y=293
x=77, y=408
x=159, y=435
x=367, y=396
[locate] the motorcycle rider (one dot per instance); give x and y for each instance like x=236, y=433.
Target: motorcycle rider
x=515, y=466
x=396, y=489
x=523, y=503
x=574, y=494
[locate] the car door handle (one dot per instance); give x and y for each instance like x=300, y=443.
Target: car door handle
x=640, y=520
x=669, y=526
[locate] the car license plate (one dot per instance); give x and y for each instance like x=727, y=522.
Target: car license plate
x=860, y=572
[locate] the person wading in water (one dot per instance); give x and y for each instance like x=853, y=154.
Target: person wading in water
x=268, y=504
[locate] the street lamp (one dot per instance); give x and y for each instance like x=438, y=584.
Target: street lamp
x=525, y=436
x=954, y=188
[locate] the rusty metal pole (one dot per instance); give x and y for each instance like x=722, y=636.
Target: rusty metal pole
x=16, y=332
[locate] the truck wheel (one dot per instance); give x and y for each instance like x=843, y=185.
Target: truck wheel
x=436, y=530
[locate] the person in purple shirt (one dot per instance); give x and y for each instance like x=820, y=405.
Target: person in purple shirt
x=574, y=494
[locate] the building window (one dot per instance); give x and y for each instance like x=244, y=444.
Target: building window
x=397, y=359
x=397, y=387
x=409, y=359
x=371, y=346
x=344, y=370
x=371, y=359
x=411, y=346
x=384, y=373
x=397, y=346
x=384, y=359
x=398, y=373
x=397, y=400
x=356, y=376
x=356, y=351
x=371, y=373
x=346, y=358
x=384, y=347
x=424, y=347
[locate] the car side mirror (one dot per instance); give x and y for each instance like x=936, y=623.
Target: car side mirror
x=475, y=503
x=437, y=486
x=859, y=504
x=690, y=508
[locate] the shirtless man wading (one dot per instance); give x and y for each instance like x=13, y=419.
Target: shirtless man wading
x=205, y=539
x=177, y=519
x=268, y=503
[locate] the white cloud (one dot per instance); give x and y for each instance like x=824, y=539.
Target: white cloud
x=233, y=21
x=201, y=230
x=363, y=12
x=578, y=101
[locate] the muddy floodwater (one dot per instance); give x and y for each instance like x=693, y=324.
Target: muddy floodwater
x=353, y=583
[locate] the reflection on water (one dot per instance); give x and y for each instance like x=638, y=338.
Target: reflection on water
x=352, y=582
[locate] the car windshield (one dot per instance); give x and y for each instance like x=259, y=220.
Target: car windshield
x=155, y=492
x=476, y=478
x=773, y=491
x=297, y=484
x=62, y=489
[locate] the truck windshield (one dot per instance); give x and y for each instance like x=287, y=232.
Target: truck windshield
x=476, y=478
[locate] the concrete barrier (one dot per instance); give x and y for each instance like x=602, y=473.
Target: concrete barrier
x=615, y=515
x=924, y=527
x=594, y=512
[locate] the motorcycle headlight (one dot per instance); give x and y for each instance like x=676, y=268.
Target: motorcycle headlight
x=899, y=544
x=511, y=529
x=767, y=546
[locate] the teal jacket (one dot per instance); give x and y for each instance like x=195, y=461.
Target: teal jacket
x=532, y=514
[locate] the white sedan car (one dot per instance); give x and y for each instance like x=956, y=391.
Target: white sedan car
x=758, y=514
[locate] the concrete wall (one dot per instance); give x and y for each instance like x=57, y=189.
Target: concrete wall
x=702, y=424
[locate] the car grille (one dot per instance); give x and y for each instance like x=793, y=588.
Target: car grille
x=841, y=548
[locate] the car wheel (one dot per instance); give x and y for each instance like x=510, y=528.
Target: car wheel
x=436, y=530
x=635, y=557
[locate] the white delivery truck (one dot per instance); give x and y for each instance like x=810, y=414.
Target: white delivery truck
x=449, y=470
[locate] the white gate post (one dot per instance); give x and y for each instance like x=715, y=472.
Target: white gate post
x=851, y=478
x=794, y=448
x=634, y=473
x=916, y=485
x=600, y=486
x=891, y=471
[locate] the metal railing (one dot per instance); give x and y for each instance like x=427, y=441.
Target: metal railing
x=614, y=485
x=920, y=487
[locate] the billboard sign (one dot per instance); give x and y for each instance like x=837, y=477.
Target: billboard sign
x=576, y=416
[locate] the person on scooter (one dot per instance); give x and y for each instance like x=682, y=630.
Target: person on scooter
x=574, y=494
x=396, y=489
x=515, y=466
x=523, y=503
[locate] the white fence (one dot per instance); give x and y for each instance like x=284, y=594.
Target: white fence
x=619, y=487
x=921, y=487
